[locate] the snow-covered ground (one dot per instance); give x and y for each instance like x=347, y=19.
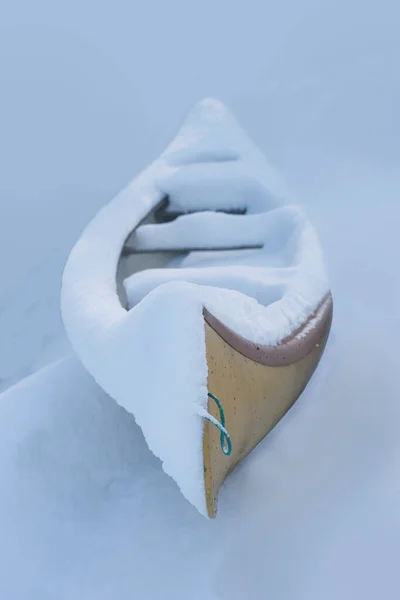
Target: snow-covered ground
x=90, y=95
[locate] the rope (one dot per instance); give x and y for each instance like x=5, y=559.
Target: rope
x=226, y=444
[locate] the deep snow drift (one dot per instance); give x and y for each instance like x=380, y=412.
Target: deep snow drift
x=86, y=512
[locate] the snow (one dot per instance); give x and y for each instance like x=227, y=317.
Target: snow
x=129, y=353
x=278, y=286
x=85, y=508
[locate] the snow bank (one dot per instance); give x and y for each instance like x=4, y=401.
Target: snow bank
x=151, y=359
x=86, y=511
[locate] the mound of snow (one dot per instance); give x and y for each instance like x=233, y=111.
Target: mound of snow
x=264, y=295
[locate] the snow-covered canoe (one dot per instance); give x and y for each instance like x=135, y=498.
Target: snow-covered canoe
x=209, y=353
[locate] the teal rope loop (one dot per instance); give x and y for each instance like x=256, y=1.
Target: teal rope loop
x=226, y=444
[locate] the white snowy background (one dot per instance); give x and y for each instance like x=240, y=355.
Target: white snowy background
x=91, y=92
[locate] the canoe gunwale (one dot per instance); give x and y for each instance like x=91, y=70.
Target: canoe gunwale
x=290, y=350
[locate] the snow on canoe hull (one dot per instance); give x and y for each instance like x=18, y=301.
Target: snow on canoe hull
x=252, y=266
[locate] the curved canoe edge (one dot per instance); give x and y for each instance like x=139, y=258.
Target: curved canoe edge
x=291, y=349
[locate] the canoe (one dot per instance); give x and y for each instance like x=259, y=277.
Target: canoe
x=212, y=345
